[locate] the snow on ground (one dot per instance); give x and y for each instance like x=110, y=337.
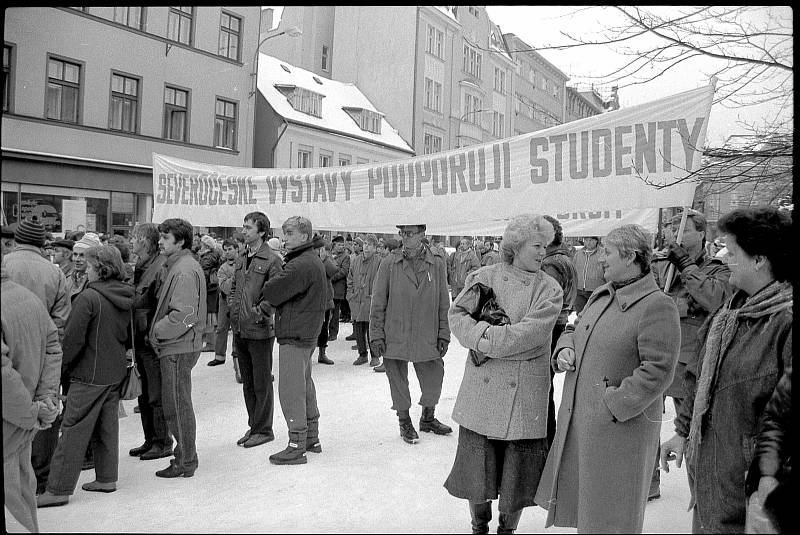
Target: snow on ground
x=366, y=480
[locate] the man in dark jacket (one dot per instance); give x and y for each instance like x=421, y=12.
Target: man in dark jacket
x=324, y=248
x=177, y=337
x=558, y=264
x=298, y=293
x=157, y=440
x=342, y=260
x=253, y=331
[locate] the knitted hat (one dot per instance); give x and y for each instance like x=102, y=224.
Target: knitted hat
x=89, y=239
x=30, y=233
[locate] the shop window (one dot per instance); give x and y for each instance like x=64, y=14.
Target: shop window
x=123, y=209
x=61, y=213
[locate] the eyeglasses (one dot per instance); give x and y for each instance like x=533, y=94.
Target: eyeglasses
x=408, y=233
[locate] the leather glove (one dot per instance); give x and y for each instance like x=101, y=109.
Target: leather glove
x=679, y=256
x=378, y=347
x=442, y=345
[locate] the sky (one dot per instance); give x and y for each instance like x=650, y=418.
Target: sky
x=542, y=26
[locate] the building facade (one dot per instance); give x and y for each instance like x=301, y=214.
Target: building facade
x=304, y=120
x=91, y=93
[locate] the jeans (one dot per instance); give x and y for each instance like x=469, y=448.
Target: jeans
x=255, y=366
x=429, y=373
x=150, y=406
x=176, y=383
x=223, y=326
x=297, y=393
x=361, y=331
x=90, y=416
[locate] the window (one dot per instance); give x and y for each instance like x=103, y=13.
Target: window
x=325, y=66
x=345, y=159
x=230, y=29
x=472, y=107
x=129, y=16
x=472, y=61
x=225, y=124
x=432, y=144
x=179, y=24
x=6, y=77
x=124, y=113
x=499, y=80
x=176, y=114
x=498, y=124
x=303, y=158
x=370, y=121
x=325, y=160
x=435, y=41
x=433, y=95
x=306, y=101
x=63, y=90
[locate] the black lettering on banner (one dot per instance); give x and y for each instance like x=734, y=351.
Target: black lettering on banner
x=406, y=186
x=690, y=140
x=193, y=195
x=319, y=187
x=162, y=188
x=666, y=128
x=346, y=181
x=374, y=178
x=389, y=183
x=233, y=187
x=184, y=188
x=645, y=147
x=422, y=173
x=621, y=150
x=439, y=168
x=574, y=171
x=251, y=188
x=539, y=166
x=457, y=166
x=330, y=187
x=558, y=141
x=601, y=143
x=297, y=196
x=476, y=182
x=222, y=189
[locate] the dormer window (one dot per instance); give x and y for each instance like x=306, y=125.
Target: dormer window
x=367, y=120
x=302, y=99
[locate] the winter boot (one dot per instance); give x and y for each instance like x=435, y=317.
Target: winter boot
x=407, y=430
x=295, y=453
x=323, y=358
x=428, y=423
x=509, y=521
x=481, y=514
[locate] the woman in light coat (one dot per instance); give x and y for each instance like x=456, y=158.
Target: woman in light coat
x=619, y=358
x=502, y=403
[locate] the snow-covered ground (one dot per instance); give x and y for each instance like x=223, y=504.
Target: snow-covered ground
x=366, y=480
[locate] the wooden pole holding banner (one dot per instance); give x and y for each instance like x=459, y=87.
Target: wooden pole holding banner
x=678, y=239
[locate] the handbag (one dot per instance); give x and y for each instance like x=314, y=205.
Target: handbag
x=131, y=386
x=487, y=310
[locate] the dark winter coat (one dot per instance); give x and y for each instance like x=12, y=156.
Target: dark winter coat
x=746, y=379
x=359, y=285
x=339, y=278
x=409, y=308
x=251, y=317
x=146, y=280
x=626, y=344
x=330, y=271
x=96, y=335
x=180, y=316
x=298, y=295
x=558, y=264
x=459, y=265
x=209, y=263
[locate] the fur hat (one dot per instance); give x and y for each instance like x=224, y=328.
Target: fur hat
x=30, y=233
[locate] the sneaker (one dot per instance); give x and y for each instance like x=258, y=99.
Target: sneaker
x=408, y=432
x=351, y=338
x=379, y=369
x=362, y=359
x=293, y=454
x=374, y=361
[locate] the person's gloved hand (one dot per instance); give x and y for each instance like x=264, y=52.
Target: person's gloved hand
x=679, y=256
x=378, y=347
x=442, y=345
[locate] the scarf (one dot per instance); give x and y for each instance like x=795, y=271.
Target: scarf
x=773, y=298
x=622, y=284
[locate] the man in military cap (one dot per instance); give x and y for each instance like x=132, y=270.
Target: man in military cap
x=412, y=326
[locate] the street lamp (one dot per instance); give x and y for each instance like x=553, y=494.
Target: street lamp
x=463, y=117
x=292, y=31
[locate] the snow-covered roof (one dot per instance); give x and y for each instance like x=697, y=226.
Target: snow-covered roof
x=337, y=96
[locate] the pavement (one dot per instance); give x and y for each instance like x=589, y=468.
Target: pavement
x=366, y=480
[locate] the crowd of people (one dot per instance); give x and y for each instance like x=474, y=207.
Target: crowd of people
x=708, y=325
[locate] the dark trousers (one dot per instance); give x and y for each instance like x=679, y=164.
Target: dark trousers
x=345, y=310
x=551, y=405
x=430, y=375
x=223, y=326
x=580, y=300
x=176, y=391
x=151, y=408
x=90, y=416
x=322, y=339
x=42, y=450
x=333, y=323
x=255, y=366
x=297, y=393
x=361, y=331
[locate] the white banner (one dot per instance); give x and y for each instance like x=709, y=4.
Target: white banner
x=610, y=162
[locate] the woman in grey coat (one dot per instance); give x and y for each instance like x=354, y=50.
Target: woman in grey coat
x=619, y=358
x=502, y=403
